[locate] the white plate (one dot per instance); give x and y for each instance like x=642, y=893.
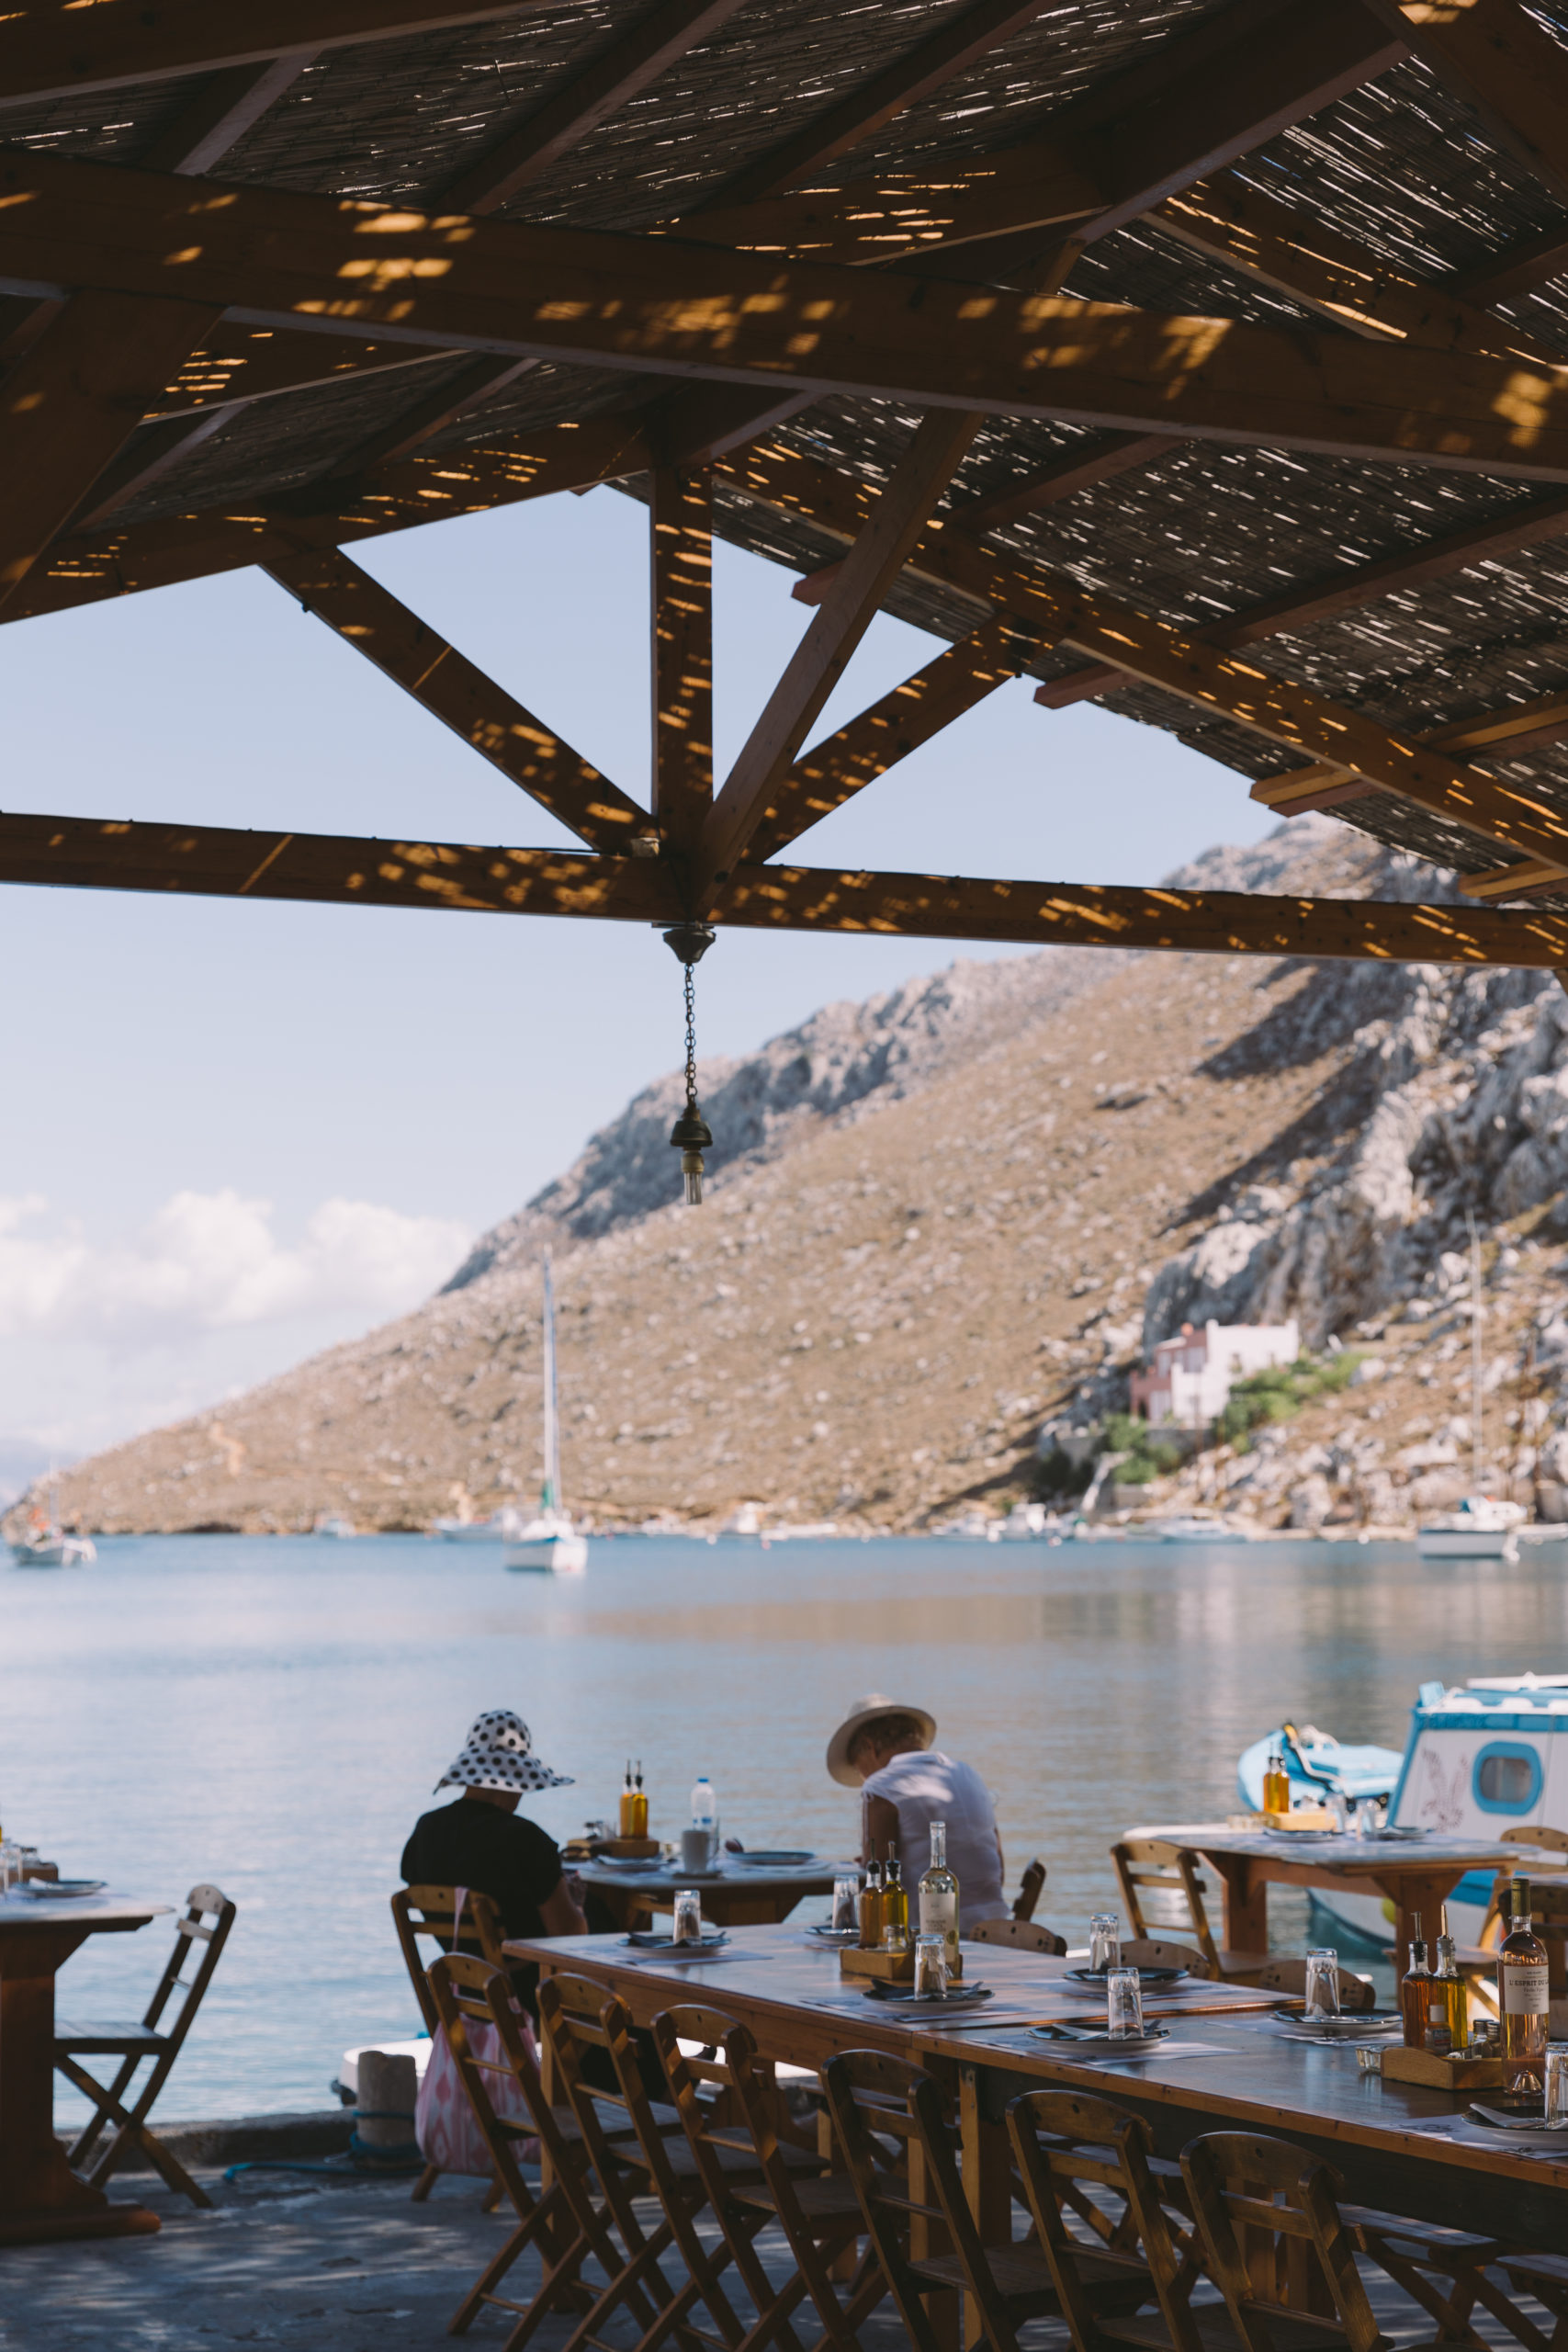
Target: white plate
x=58, y=1890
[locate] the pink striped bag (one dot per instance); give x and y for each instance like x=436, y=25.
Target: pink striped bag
x=445, y=2123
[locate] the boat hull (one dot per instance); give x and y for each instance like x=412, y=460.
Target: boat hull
x=68, y=1551
x=550, y=1556
x=1467, y=1543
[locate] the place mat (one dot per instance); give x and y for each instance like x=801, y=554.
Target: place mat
x=688, y=1956
x=1552, y=2146
x=917, y=2017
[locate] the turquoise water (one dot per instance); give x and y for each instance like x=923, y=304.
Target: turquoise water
x=272, y=1715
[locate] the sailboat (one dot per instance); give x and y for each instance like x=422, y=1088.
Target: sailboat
x=46, y=1544
x=1482, y=1528
x=549, y=1542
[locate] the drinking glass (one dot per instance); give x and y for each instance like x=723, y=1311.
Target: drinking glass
x=1104, y=1939
x=1556, y=2087
x=10, y=1866
x=688, y=1922
x=846, y=1906
x=894, y=1939
x=1323, y=1983
x=1123, y=2002
x=930, y=1966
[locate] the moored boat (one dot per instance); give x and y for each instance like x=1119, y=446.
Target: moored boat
x=497, y=1527
x=1191, y=1527
x=1480, y=1529
x=45, y=1544
x=548, y=1543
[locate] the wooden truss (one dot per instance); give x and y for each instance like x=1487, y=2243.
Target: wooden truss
x=142, y=308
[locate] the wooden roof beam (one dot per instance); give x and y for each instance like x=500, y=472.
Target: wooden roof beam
x=71, y=403
x=898, y=520
x=95, y=853
x=63, y=52
x=681, y=612
x=334, y=588
x=305, y=260
x=898, y=723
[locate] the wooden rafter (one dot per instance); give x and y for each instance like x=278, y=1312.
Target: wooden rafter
x=639, y=303
x=1515, y=267
x=79, y=853
x=1498, y=59
x=632, y=61
x=1263, y=240
x=899, y=518
x=333, y=587
x=62, y=52
x=119, y=561
x=223, y=109
x=1077, y=468
x=896, y=724
x=1274, y=707
x=681, y=604
x=70, y=405
x=428, y=414
x=237, y=365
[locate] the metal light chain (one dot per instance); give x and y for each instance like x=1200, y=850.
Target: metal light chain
x=690, y=941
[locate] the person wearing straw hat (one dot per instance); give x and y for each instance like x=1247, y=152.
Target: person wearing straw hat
x=479, y=1842
x=885, y=1749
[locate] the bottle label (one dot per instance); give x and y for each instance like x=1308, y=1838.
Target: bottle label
x=1525, y=1988
x=938, y=1913
x=1437, y=2008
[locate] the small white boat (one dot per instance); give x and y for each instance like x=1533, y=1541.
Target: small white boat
x=332, y=1524
x=1191, y=1527
x=499, y=1527
x=51, y=1547
x=548, y=1543
x=1479, y=1530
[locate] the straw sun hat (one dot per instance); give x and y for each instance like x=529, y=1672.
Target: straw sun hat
x=499, y=1754
x=864, y=1712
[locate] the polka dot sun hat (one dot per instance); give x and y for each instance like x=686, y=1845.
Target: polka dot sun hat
x=499, y=1754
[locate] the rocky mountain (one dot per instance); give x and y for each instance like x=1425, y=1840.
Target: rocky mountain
x=949, y=1219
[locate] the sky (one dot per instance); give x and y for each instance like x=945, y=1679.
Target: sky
x=239, y=1132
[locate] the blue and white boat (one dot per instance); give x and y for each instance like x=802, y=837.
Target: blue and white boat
x=1483, y=1757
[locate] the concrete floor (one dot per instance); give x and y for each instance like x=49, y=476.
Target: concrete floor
x=349, y=2263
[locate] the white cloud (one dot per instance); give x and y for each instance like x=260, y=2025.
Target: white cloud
x=211, y=1261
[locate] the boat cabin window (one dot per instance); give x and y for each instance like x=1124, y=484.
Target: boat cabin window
x=1508, y=1779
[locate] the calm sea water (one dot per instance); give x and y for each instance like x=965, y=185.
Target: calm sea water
x=273, y=1715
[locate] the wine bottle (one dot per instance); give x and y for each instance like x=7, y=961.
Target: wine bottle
x=1522, y=1997
x=939, y=1897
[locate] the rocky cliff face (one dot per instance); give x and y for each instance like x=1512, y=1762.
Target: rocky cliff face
x=952, y=1216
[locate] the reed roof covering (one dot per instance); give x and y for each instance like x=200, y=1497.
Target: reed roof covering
x=1255, y=309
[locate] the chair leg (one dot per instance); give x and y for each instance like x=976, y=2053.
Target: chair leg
x=132, y=2132
x=87, y=2138
x=425, y=2184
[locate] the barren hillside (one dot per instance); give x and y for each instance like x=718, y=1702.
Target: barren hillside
x=953, y=1215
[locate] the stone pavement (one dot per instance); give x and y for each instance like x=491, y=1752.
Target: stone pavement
x=346, y=2263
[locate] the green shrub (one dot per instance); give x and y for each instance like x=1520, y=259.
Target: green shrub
x=1276, y=1393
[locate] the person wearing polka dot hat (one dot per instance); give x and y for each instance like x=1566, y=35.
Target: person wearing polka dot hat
x=480, y=1842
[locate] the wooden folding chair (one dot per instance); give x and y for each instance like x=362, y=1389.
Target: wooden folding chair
x=1292, y=2246
x=1443, y=2271
x=1149, y=1864
x=1087, y=2161
x=1157, y=1952
x=1030, y=1888
x=432, y=1912
x=204, y=1929
x=1024, y=1935
x=818, y=2211
x=1289, y=1976
x=616, y=2130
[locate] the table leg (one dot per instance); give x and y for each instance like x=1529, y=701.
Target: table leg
x=988, y=2179
x=1246, y=1903
x=1415, y=1896
x=40, y=2197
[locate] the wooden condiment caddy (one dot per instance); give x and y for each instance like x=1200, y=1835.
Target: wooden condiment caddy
x=632, y=1850
x=1305, y=1816
x=1443, y=2070
x=890, y=1967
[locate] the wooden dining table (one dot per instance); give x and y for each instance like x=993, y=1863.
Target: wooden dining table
x=40, y=2197
x=737, y=1894
x=1225, y=2066
x=1415, y=1875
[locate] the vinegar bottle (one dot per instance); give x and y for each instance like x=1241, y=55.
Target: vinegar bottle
x=627, y=1802
x=639, y=1805
x=1456, y=1994
x=871, y=1906
x=1412, y=1995
x=894, y=1902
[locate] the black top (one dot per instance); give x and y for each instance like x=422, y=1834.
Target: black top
x=500, y=1854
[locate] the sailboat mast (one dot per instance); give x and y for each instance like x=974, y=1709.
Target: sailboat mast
x=1475, y=1446
x=550, y=1499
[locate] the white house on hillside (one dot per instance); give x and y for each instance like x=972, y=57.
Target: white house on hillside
x=1189, y=1379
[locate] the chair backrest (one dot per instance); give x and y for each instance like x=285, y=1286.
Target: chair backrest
x=1030, y=1888
x=1287, y=2204
x=1024, y=1935
x=1155, y=1951
x=869, y=2099
x=431, y=1911
x=938, y=2146
x=202, y=1929
x=1550, y=1841
x=1090, y=2159
x=461, y=1990
x=1356, y=1993
x=1152, y=1862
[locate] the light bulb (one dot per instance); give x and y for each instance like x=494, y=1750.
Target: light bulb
x=692, y=1169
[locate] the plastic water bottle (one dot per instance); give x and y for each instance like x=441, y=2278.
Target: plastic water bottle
x=704, y=1810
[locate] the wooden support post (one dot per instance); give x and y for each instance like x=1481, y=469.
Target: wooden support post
x=987, y=2180
x=681, y=546
x=820, y=660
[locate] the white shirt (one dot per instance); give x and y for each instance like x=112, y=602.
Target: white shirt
x=933, y=1787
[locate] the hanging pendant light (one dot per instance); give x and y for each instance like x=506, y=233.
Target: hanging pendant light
x=688, y=942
